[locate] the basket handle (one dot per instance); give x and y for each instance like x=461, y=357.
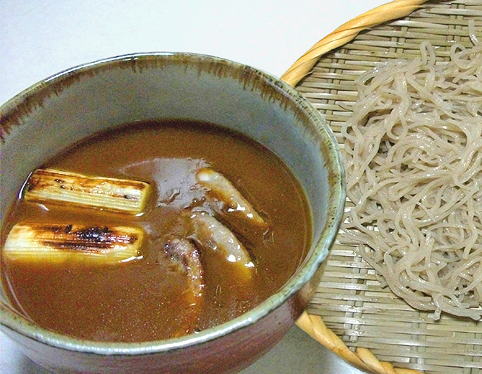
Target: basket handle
x=346, y=32
x=362, y=358
x=313, y=324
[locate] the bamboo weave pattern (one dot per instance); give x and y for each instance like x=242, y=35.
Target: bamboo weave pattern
x=350, y=313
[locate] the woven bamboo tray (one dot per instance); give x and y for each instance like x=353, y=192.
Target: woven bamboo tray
x=350, y=313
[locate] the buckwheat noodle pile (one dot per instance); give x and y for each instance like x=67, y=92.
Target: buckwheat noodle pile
x=414, y=173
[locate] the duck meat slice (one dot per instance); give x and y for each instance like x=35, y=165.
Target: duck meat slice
x=213, y=235
x=187, y=259
x=219, y=186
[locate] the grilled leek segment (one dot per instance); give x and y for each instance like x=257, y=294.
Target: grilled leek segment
x=225, y=191
x=120, y=195
x=64, y=242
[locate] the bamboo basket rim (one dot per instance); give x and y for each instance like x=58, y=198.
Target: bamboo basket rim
x=312, y=324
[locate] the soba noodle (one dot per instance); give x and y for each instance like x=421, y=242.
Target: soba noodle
x=414, y=167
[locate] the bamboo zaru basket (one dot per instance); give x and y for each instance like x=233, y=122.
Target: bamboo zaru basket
x=351, y=313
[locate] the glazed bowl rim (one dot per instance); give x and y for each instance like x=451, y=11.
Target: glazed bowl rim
x=11, y=321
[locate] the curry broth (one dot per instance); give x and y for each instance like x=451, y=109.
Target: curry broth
x=143, y=299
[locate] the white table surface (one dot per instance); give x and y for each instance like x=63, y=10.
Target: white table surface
x=39, y=38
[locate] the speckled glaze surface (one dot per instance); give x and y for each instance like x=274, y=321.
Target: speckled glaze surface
x=76, y=103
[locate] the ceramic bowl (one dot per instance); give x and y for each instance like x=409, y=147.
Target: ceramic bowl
x=71, y=105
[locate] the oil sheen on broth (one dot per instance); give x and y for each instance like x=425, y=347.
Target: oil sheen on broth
x=145, y=298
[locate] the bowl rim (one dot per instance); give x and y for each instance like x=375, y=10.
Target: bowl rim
x=14, y=322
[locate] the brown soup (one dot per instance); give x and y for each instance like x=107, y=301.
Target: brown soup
x=145, y=299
